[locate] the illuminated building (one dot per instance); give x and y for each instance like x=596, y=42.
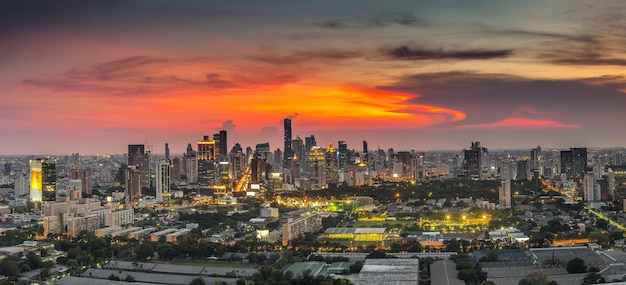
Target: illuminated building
x=574, y=163
x=190, y=165
x=317, y=168
x=207, y=154
x=36, y=180
x=49, y=179
x=332, y=170
x=417, y=168
x=297, y=147
x=299, y=226
x=163, y=182
x=287, y=152
x=473, y=161
x=133, y=185
x=140, y=159
x=504, y=194
x=344, y=155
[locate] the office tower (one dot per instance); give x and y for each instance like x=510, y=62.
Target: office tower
x=85, y=176
x=344, y=156
x=223, y=143
x=262, y=150
x=618, y=158
x=591, y=189
x=49, y=179
x=287, y=152
x=163, y=175
x=298, y=149
x=365, y=147
x=309, y=142
x=473, y=161
x=7, y=169
x=140, y=159
x=612, y=186
x=21, y=187
x=36, y=180
x=237, y=148
x=176, y=169
x=522, y=170
x=574, y=163
x=190, y=165
x=207, y=153
x=417, y=167
x=317, y=168
x=167, y=151
x=332, y=166
x=133, y=185
x=504, y=194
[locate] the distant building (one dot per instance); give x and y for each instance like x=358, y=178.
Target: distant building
x=287, y=151
x=473, y=161
x=84, y=175
x=317, y=168
x=207, y=154
x=504, y=194
x=163, y=177
x=332, y=170
x=574, y=163
x=140, y=159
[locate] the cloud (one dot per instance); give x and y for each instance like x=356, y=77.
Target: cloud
x=499, y=100
x=407, y=53
x=227, y=126
x=381, y=20
x=521, y=123
x=152, y=76
x=298, y=57
x=543, y=35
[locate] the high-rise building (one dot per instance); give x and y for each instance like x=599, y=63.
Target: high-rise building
x=618, y=158
x=317, y=168
x=522, y=170
x=207, y=154
x=287, y=152
x=504, y=194
x=473, y=161
x=163, y=182
x=7, y=169
x=574, y=163
x=223, y=143
x=49, y=179
x=138, y=157
x=85, y=176
x=133, y=185
x=190, y=165
x=167, y=151
x=365, y=147
x=36, y=181
x=344, y=155
x=591, y=189
x=332, y=166
x=417, y=167
x=309, y=142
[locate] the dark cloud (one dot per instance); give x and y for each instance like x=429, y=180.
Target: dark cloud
x=537, y=34
x=381, y=20
x=488, y=98
x=309, y=55
x=406, y=53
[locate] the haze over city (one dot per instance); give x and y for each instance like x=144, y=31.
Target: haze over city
x=95, y=76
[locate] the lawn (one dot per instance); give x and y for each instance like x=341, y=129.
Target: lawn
x=211, y=264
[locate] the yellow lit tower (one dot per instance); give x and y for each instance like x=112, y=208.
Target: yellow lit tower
x=207, y=153
x=317, y=168
x=332, y=167
x=36, y=181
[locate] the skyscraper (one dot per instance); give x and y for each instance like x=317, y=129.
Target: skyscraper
x=574, y=163
x=138, y=157
x=36, y=181
x=207, y=154
x=287, y=152
x=133, y=185
x=473, y=161
x=332, y=170
x=84, y=175
x=49, y=179
x=223, y=147
x=163, y=183
x=344, y=155
x=317, y=168
x=167, y=151
x=504, y=194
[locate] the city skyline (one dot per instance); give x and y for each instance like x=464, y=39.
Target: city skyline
x=94, y=77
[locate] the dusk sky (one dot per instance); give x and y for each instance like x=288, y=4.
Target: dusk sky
x=94, y=76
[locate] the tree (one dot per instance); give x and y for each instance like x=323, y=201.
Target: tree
x=576, y=265
x=144, y=251
x=197, y=281
x=535, y=278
